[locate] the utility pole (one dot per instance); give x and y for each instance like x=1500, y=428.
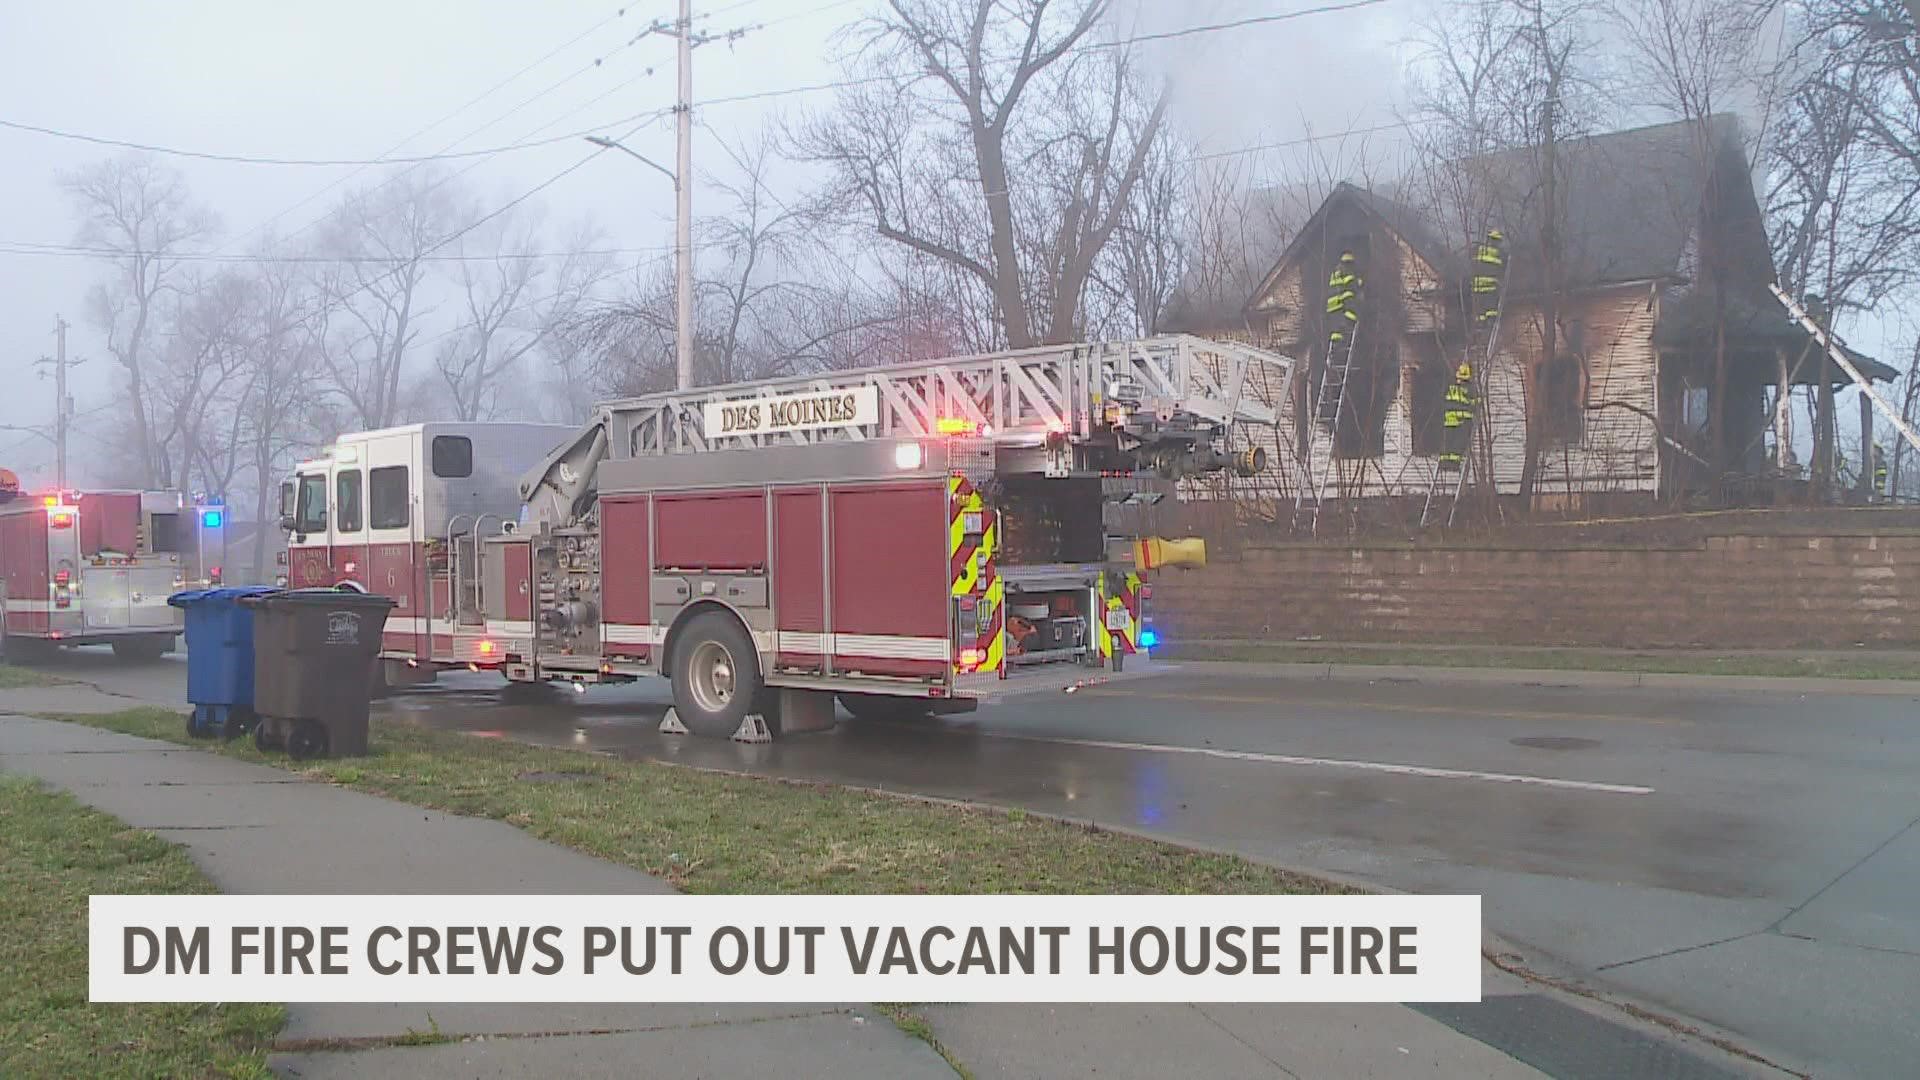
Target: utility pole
x=60, y=403
x=682, y=177
x=683, y=213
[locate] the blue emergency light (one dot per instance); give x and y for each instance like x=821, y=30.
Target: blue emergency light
x=1148, y=639
x=211, y=518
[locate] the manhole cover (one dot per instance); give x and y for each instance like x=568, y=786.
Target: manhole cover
x=1554, y=742
x=538, y=776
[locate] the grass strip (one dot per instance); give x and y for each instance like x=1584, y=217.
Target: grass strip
x=13, y=677
x=54, y=853
x=711, y=832
x=1866, y=665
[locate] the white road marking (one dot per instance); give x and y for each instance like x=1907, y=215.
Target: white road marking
x=1348, y=763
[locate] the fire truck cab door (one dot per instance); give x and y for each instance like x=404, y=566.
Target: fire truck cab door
x=392, y=540
x=308, y=549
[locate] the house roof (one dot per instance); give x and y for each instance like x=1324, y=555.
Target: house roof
x=1630, y=200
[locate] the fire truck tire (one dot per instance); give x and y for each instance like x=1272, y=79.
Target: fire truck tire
x=885, y=708
x=767, y=704
x=378, y=687
x=265, y=739
x=716, y=675
x=142, y=648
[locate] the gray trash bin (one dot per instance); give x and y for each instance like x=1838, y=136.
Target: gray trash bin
x=313, y=653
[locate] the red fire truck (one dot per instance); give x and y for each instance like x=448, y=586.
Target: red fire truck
x=887, y=536
x=96, y=567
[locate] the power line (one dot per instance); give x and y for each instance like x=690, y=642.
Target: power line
x=1088, y=47
x=385, y=157
x=32, y=248
x=245, y=159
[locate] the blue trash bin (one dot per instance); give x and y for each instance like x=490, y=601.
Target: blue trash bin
x=219, y=659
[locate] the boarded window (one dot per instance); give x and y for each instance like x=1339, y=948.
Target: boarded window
x=1362, y=430
x=1426, y=415
x=387, y=497
x=1562, y=386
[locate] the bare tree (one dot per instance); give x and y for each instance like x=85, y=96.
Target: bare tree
x=1843, y=197
x=511, y=303
x=204, y=357
x=1000, y=144
x=376, y=300
x=142, y=212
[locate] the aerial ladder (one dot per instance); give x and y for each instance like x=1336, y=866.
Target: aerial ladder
x=1171, y=407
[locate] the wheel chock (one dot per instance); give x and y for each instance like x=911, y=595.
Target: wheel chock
x=753, y=729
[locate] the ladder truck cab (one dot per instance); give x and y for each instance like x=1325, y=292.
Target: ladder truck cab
x=397, y=512
x=892, y=536
x=96, y=567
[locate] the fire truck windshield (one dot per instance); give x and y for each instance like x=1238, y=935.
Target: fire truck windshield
x=310, y=515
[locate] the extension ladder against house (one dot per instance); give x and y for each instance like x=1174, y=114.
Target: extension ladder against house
x=1333, y=386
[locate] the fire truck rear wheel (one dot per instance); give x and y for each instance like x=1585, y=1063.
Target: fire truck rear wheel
x=885, y=708
x=716, y=675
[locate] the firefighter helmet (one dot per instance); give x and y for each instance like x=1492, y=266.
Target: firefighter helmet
x=1495, y=235
x=1346, y=257
x=1463, y=372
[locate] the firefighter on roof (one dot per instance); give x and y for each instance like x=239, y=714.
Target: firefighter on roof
x=1879, y=471
x=1457, y=422
x=1343, y=298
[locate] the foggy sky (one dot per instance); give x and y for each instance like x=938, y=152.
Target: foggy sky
x=353, y=78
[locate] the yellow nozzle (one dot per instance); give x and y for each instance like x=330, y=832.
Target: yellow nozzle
x=1153, y=552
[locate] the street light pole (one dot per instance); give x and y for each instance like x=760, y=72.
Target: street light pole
x=683, y=257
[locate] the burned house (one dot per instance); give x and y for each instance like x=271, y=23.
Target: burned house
x=1633, y=309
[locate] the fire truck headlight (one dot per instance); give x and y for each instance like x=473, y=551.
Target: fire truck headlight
x=908, y=455
x=211, y=519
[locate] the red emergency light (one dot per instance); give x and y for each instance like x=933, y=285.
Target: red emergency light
x=60, y=519
x=62, y=577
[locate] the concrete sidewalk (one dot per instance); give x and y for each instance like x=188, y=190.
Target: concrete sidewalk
x=257, y=829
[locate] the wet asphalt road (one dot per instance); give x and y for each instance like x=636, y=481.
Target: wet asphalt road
x=1748, y=860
